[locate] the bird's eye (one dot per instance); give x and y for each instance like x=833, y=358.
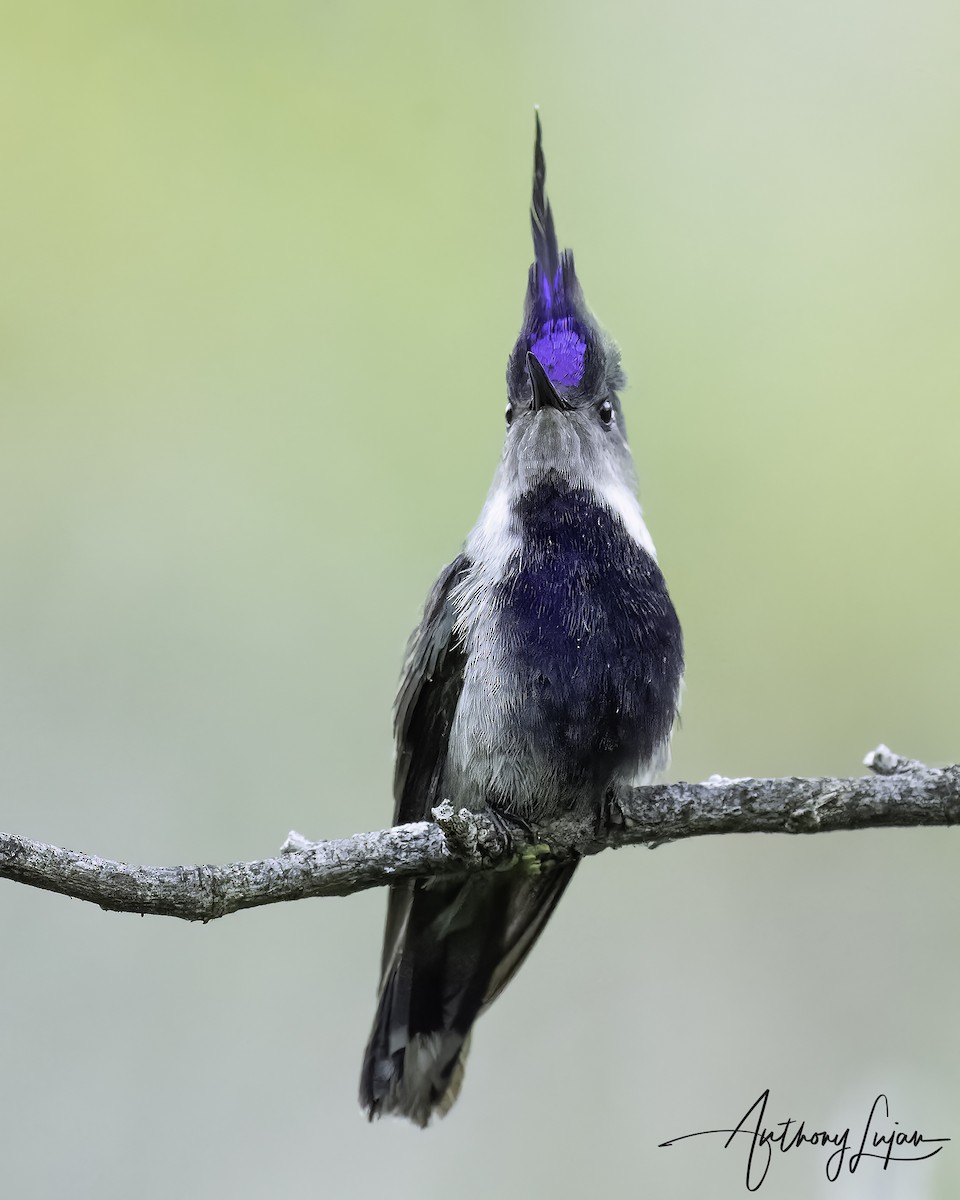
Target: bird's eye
x=508, y=415
x=605, y=412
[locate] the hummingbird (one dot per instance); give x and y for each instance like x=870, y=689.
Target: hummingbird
x=545, y=673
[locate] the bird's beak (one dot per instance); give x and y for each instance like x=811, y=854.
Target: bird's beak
x=545, y=395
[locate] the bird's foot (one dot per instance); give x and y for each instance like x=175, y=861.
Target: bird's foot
x=531, y=854
x=611, y=818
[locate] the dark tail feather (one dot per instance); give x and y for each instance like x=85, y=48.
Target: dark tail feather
x=541, y=216
x=461, y=943
x=431, y=994
x=416, y=1078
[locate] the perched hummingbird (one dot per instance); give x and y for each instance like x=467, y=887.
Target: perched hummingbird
x=545, y=672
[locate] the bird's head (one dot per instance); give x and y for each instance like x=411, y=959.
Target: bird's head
x=563, y=411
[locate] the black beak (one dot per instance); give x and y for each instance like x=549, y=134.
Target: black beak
x=545, y=395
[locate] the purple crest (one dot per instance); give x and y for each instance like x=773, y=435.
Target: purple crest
x=560, y=350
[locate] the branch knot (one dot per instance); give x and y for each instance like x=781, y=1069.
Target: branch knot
x=471, y=837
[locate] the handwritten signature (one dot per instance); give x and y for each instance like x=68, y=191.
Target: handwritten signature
x=878, y=1140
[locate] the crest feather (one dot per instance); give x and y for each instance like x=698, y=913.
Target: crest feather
x=545, y=247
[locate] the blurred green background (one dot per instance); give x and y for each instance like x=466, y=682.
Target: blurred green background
x=260, y=270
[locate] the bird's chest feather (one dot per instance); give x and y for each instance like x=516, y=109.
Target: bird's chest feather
x=582, y=608
x=579, y=661
x=564, y=615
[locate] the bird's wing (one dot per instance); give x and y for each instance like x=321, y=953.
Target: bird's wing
x=426, y=703
x=532, y=902
x=427, y=700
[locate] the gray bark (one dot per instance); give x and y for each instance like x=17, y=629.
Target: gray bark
x=898, y=793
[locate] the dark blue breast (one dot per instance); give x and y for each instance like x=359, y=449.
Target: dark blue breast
x=594, y=637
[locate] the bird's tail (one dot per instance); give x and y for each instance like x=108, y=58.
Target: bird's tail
x=414, y=1075
x=457, y=945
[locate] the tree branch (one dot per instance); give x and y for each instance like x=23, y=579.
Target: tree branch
x=899, y=793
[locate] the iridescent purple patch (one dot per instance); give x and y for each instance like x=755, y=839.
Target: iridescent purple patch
x=560, y=350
